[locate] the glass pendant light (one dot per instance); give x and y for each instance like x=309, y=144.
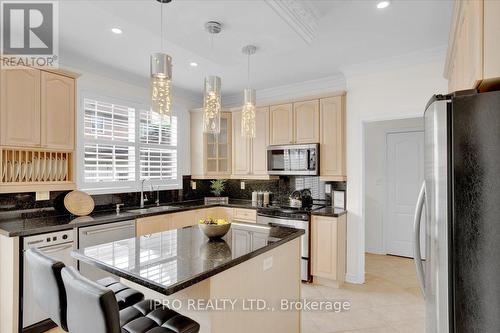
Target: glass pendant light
x=249, y=101
x=161, y=77
x=212, y=105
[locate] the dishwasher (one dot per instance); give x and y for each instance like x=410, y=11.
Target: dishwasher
x=101, y=234
x=57, y=245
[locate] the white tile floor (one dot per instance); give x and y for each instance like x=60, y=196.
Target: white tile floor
x=389, y=301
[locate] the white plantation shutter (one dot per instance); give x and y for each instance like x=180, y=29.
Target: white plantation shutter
x=123, y=144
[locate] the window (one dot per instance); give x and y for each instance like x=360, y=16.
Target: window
x=124, y=144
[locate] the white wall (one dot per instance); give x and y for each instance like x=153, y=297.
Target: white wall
x=380, y=94
x=375, y=143
x=90, y=83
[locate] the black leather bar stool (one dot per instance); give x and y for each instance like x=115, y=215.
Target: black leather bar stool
x=93, y=308
x=50, y=294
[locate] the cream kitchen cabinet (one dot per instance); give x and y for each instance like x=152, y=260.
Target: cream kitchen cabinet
x=281, y=122
x=295, y=123
x=332, y=139
x=57, y=111
x=250, y=155
x=242, y=149
x=306, y=120
x=153, y=224
x=210, y=153
x=37, y=109
x=328, y=249
x=473, y=48
x=245, y=215
x=20, y=107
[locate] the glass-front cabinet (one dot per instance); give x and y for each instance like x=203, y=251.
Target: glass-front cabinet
x=210, y=153
x=218, y=148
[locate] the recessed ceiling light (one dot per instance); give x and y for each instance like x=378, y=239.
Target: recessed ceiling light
x=383, y=4
x=193, y=64
x=117, y=31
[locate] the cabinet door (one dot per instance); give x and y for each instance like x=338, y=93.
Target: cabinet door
x=218, y=148
x=153, y=224
x=281, y=124
x=58, y=111
x=20, y=107
x=306, y=119
x=260, y=142
x=241, y=242
x=491, y=33
x=332, y=137
x=241, y=148
x=324, y=247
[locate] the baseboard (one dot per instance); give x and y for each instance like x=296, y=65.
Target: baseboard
x=352, y=278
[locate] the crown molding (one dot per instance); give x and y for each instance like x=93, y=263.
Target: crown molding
x=326, y=85
x=436, y=54
x=300, y=15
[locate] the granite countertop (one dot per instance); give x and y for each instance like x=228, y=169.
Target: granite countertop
x=329, y=211
x=173, y=260
x=26, y=223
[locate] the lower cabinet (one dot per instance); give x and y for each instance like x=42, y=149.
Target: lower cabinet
x=328, y=245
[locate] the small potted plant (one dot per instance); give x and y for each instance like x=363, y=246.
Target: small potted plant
x=217, y=187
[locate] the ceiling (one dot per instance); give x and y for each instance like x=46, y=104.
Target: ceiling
x=297, y=40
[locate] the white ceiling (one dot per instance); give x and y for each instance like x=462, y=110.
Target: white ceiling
x=348, y=32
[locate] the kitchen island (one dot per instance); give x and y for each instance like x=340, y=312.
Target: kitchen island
x=235, y=284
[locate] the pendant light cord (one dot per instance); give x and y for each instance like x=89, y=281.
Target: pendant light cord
x=248, y=71
x=161, y=32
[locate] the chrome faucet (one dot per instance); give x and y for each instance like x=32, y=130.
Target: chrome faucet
x=142, y=194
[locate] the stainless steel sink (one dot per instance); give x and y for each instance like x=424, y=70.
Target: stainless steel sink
x=152, y=209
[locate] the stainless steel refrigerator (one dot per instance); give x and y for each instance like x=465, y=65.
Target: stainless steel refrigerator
x=460, y=197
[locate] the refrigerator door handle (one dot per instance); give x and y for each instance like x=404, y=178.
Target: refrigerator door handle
x=416, y=241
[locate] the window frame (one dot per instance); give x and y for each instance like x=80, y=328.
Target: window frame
x=122, y=186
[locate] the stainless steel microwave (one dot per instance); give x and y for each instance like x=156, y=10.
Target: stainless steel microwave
x=293, y=160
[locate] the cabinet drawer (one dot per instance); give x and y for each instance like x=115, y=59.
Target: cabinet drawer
x=153, y=224
x=245, y=214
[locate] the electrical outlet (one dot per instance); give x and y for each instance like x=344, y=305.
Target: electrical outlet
x=242, y=185
x=267, y=264
x=328, y=188
x=193, y=185
x=42, y=195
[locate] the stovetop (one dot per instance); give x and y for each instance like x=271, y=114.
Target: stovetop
x=299, y=213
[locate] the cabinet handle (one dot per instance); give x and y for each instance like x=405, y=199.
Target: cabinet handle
x=99, y=231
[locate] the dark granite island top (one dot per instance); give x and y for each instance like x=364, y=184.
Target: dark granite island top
x=170, y=261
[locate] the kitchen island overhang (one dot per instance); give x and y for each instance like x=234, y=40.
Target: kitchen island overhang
x=252, y=262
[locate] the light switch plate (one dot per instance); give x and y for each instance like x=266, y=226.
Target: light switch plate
x=328, y=188
x=42, y=195
x=242, y=185
x=267, y=264
x=193, y=185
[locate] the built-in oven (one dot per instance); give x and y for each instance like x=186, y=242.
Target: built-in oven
x=293, y=160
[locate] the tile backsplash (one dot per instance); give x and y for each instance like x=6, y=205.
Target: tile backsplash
x=280, y=188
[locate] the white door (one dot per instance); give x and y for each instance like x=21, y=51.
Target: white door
x=405, y=174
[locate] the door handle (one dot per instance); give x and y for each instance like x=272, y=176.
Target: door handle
x=417, y=255
x=58, y=248
x=100, y=231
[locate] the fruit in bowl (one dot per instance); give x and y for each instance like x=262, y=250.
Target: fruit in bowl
x=213, y=221
x=214, y=228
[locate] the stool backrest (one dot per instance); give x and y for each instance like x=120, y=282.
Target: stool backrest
x=47, y=285
x=91, y=307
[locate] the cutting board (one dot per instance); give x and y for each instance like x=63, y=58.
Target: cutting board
x=79, y=203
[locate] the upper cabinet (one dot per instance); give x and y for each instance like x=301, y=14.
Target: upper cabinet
x=37, y=109
x=306, y=119
x=20, y=107
x=332, y=138
x=58, y=111
x=210, y=153
x=250, y=155
x=37, y=129
x=295, y=123
x=281, y=124
x=260, y=142
x=473, y=49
